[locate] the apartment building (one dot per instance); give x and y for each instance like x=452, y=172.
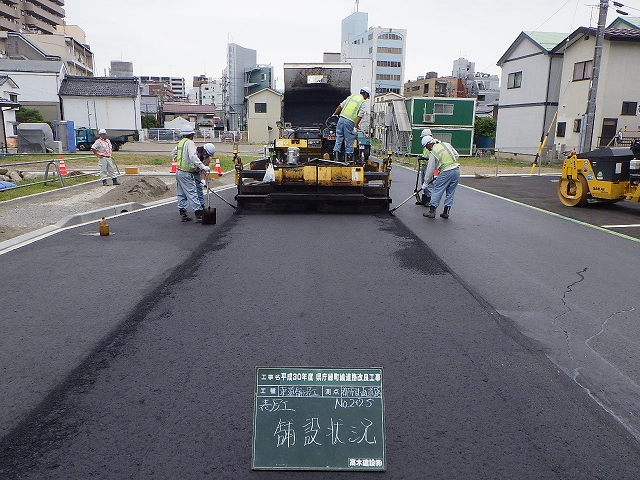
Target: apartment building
x=31, y=16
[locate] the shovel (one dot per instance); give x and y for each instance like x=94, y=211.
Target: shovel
x=208, y=214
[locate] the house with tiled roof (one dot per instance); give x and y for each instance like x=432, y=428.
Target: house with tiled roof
x=9, y=91
x=101, y=102
x=529, y=91
x=618, y=93
x=39, y=82
x=546, y=78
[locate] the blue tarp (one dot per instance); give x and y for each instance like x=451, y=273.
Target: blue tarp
x=5, y=185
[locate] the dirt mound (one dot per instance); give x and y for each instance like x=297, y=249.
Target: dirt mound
x=138, y=189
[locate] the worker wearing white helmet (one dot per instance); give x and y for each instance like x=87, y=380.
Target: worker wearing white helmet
x=188, y=174
x=351, y=111
x=204, y=153
x=444, y=158
x=103, y=149
x=422, y=168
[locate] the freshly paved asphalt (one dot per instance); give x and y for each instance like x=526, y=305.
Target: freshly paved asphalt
x=133, y=355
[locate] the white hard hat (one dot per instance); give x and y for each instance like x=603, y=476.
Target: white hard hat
x=102, y=131
x=209, y=148
x=365, y=90
x=427, y=140
x=426, y=132
x=187, y=130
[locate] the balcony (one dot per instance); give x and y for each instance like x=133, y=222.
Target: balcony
x=41, y=14
x=9, y=12
x=35, y=23
x=8, y=25
x=53, y=7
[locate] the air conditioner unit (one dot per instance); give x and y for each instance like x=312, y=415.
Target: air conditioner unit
x=429, y=118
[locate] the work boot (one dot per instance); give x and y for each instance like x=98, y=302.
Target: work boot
x=445, y=214
x=104, y=182
x=198, y=216
x=348, y=158
x=183, y=214
x=115, y=181
x=431, y=213
x=423, y=200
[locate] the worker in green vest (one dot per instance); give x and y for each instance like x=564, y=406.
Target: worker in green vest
x=444, y=158
x=351, y=111
x=188, y=171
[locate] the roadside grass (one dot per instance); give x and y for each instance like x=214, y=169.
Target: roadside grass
x=52, y=184
x=470, y=162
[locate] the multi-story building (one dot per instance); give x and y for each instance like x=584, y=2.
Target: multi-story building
x=31, y=16
x=385, y=46
x=433, y=86
x=177, y=84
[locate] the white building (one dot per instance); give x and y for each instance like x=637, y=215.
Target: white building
x=101, y=102
x=529, y=92
x=385, y=47
x=39, y=82
x=9, y=92
x=264, y=111
x=618, y=93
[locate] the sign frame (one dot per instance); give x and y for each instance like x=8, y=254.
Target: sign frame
x=319, y=418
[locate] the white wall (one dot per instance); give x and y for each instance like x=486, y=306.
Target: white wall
x=103, y=112
x=522, y=116
x=36, y=87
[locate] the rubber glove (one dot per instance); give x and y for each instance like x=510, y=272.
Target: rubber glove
x=206, y=169
x=355, y=131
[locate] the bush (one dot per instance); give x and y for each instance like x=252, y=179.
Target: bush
x=485, y=127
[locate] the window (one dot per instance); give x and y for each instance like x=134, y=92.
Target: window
x=582, y=70
x=13, y=97
x=561, y=130
x=577, y=125
x=260, y=107
x=443, y=108
x=389, y=36
x=629, y=108
x=514, y=80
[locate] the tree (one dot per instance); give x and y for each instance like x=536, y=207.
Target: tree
x=149, y=121
x=485, y=127
x=29, y=115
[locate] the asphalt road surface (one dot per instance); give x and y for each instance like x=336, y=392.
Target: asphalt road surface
x=506, y=335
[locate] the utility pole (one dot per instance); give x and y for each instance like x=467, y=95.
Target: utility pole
x=587, y=135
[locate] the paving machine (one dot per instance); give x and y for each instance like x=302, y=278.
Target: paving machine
x=298, y=169
x=604, y=175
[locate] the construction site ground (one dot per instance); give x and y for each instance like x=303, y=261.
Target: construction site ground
x=153, y=184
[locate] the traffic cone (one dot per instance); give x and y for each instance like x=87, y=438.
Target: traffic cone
x=174, y=166
x=62, y=167
x=218, y=167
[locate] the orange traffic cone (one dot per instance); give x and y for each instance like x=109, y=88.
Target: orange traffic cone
x=62, y=167
x=218, y=167
x=174, y=166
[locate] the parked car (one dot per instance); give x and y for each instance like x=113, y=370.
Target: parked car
x=231, y=135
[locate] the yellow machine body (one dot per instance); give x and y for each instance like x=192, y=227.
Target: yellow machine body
x=605, y=175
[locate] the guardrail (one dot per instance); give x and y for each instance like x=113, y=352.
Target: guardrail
x=49, y=164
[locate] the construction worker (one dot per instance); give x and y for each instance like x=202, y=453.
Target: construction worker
x=204, y=153
x=444, y=157
x=188, y=174
x=102, y=149
x=426, y=190
x=351, y=111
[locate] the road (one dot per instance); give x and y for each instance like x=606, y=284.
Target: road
x=504, y=356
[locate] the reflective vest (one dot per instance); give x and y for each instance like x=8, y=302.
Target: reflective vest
x=352, y=107
x=107, y=150
x=444, y=156
x=181, y=164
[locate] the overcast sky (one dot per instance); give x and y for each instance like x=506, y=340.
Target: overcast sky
x=163, y=37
